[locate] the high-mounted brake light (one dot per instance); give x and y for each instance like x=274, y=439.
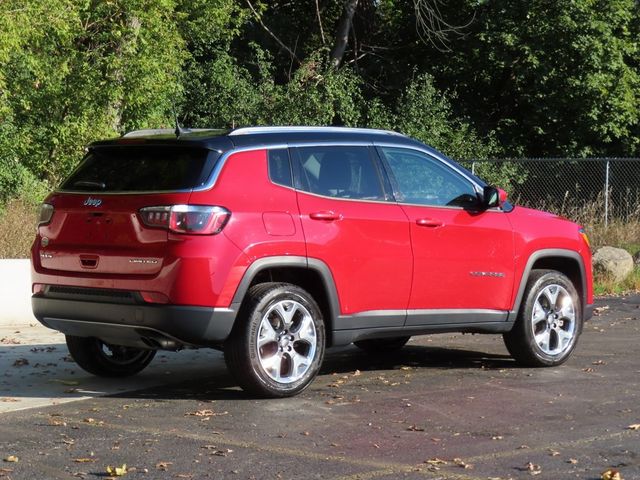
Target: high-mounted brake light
x=192, y=219
x=45, y=212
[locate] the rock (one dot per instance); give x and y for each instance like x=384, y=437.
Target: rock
x=612, y=262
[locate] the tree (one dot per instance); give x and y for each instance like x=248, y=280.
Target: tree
x=550, y=78
x=78, y=71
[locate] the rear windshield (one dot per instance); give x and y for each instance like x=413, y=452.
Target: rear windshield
x=142, y=169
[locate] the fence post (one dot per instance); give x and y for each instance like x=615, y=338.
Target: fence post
x=606, y=196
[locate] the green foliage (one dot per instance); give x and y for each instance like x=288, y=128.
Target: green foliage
x=518, y=79
x=425, y=113
x=83, y=70
x=551, y=79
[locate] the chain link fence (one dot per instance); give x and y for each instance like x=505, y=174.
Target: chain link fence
x=588, y=190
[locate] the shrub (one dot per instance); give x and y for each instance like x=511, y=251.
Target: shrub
x=17, y=228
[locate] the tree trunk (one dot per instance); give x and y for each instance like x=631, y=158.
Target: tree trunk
x=342, y=35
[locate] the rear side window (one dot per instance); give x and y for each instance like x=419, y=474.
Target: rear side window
x=340, y=172
x=279, y=167
x=142, y=169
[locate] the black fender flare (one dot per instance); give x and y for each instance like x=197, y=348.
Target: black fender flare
x=551, y=253
x=285, y=261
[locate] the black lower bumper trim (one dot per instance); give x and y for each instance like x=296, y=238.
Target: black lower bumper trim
x=153, y=326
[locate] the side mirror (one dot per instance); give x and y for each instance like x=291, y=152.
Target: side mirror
x=493, y=197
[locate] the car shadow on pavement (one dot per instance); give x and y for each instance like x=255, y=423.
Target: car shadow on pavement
x=220, y=385
x=349, y=359
x=47, y=371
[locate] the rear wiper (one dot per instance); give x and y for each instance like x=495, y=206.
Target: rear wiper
x=87, y=184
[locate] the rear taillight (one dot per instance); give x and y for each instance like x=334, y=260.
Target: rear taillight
x=193, y=219
x=45, y=212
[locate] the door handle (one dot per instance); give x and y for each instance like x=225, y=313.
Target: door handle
x=326, y=215
x=429, y=222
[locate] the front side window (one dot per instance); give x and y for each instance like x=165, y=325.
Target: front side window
x=339, y=172
x=423, y=180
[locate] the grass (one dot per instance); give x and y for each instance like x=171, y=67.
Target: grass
x=605, y=286
x=17, y=229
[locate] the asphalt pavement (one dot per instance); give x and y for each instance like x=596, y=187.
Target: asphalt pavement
x=444, y=407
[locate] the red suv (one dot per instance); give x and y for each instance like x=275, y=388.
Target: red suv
x=274, y=243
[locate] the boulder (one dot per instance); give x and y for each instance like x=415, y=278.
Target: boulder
x=612, y=262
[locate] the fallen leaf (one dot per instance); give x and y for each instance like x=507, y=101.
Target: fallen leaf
x=532, y=468
x=460, y=463
x=21, y=362
x=57, y=422
x=8, y=400
x=598, y=310
x=204, y=413
x=117, y=471
x=436, y=461
x=9, y=341
x=163, y=466
x=611, y=474
x=598, y=362
x=68, y=383
x=11, y=459
x=635, y=426
x=222, y=453
x=414, y=428
x=357, y=373
x=84, y=460
x=572, y=461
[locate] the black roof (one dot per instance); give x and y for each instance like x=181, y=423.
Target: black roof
x=224, y=140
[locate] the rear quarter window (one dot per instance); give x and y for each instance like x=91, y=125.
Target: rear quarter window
x=142, y=169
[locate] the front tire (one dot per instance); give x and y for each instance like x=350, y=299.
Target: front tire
x=278, y=343
x=549, y=323
x=106, y=360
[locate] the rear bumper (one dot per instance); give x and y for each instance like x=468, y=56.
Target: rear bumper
x=145, y=326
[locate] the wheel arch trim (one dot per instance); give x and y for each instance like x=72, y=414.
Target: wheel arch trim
x=291, y=261
x=548, y=254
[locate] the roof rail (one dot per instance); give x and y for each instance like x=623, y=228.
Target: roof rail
x=281, y=129
x=165, y=131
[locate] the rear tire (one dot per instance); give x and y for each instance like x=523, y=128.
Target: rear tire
x=277, y=345
x=106, y=360
x=382, y=345
x=549, y=323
